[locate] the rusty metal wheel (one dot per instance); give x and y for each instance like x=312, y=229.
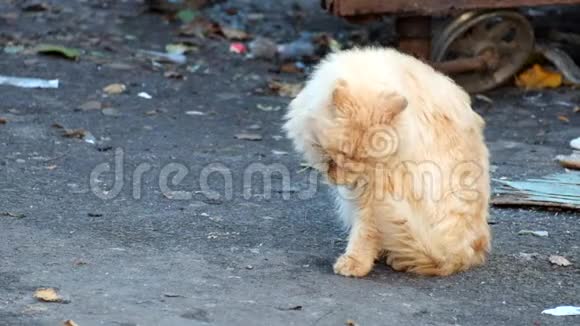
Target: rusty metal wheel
x=507, y=35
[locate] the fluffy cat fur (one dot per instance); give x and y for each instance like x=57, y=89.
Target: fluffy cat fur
x=407, y=156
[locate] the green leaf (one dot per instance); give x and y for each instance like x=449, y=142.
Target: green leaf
x=187, y=15
x=176, y=48
x=69, y=53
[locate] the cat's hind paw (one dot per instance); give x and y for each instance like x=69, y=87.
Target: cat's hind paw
x=347, y=265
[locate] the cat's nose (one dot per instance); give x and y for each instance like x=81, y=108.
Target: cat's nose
x=333, y=173
x=339, y=160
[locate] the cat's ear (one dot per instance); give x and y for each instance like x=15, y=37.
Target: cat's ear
x=392, y=104
x=342, y=99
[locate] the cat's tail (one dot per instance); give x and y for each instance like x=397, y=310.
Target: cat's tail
x=434, y=250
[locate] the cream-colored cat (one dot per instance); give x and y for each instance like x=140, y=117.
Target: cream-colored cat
x=407, y=155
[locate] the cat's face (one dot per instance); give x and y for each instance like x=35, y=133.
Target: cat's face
x=361, y=134
x=346, y=153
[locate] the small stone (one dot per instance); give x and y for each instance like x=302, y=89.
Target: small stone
x=91, y=105
x=114, y=89
x=248, y=136
x=559, y=260
x=110, y=112
x=172, y=295
x=47, y=295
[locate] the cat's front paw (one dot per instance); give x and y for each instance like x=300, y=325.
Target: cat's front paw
x=347, y=265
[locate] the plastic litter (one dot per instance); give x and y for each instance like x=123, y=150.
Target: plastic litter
x=562, y=61
x=575, y=143
x=177, y=58
x=193, y=112
x=28, y=82
x=563, y=311
x=90, y=138
x=145, y=95
x=238, y=47
x=536, y=233
x=298, y=49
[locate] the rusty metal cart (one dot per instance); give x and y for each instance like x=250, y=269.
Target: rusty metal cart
x=482, y=47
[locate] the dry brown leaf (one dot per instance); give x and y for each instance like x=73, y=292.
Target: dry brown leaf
x=285, y=89
x=80, y=262
x=36, y=6
x=174, y=74
x=47, y=295
x=70, y=322
x=201, y=27
x=3, y=121
x=290, y=68
x=291, y=308
x=235, y=34
x=576, y=109
x=538, y=77
x=559, y=260
x=10, y=214
x=563, y=118
x=114, y=89
x=74, y=133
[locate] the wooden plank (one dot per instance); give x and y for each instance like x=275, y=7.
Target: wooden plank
x=514, y=201
x=347, y=8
